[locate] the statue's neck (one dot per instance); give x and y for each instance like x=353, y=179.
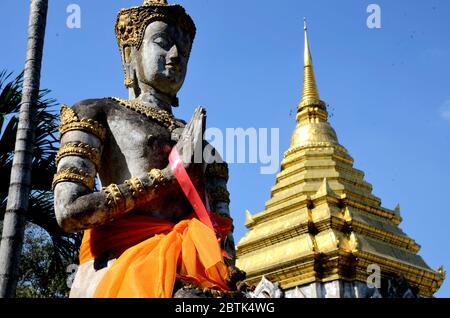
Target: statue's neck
x=150, y=96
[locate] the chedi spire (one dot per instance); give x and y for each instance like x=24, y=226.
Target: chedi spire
x=310, y=95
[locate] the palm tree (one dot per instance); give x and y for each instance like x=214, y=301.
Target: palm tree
x=40, y=211
x=19, y=190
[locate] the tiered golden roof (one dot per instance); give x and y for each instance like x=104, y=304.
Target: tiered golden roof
x=322, y=222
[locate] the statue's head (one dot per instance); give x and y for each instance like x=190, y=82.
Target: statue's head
x=155, y=41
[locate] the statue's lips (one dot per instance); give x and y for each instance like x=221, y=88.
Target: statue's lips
x=172, y=66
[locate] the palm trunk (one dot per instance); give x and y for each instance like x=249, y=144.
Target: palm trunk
x=19, y=189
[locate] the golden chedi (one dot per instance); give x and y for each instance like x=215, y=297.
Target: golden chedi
x=322, y=228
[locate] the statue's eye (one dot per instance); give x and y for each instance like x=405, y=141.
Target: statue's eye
x=162, y=42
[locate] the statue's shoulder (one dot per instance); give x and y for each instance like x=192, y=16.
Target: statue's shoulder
x=95, y=109
x=89, y=115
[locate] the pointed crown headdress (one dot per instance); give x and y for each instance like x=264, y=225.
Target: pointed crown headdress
x=132, y=22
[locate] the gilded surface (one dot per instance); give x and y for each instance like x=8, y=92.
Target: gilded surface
x=136, y=186
x=157, y=177
x=159, y=115
x=74, y=175
x=114, y=196
x=70, y=121
x=132, y=22
x=322, y=222
x=80, y=150
x=310, y=96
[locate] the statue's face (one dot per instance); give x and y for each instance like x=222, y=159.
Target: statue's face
x=163, y=57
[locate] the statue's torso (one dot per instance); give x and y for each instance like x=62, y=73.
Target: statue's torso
x=134, y=145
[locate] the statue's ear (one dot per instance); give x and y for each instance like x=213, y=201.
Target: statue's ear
x=128, y=67
x=127, y=54
x=131, y=81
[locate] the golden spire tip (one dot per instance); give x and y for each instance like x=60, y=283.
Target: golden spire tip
x=310, y=94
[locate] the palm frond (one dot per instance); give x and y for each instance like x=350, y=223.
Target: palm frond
x=10, y=95
x=45, y=143
x=41, y=208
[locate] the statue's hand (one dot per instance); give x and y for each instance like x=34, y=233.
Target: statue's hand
x=190, y=144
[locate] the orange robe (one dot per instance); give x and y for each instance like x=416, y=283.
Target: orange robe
x=153, y=252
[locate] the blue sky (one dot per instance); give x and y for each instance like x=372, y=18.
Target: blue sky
x=388, y=88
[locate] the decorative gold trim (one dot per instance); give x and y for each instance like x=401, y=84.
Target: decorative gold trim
x=132, y=22
x=74, y=175
x=428, y=280
x=113, y=195
x=136, y=186
x=219, y=194
x=70, y=121
x=157, y=177
x=442, y=273
x=310, y=145
x=128, y=82
x=80, y=150
x=159, y=115
x=217, y=170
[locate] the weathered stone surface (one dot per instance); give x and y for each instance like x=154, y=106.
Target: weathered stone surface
x=134, y=144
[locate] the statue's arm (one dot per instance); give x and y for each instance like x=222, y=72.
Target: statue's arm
x=77, y=206
x=216, y=178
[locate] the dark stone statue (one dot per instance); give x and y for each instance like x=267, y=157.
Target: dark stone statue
x=126, y=143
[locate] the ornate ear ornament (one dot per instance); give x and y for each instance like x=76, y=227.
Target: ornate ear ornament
x=128, y=82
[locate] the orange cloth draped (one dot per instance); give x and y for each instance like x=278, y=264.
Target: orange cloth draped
x=153, y=253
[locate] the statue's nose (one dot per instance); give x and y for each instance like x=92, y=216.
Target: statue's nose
x=174, y=55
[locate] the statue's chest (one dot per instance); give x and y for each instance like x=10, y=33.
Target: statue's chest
x=138, y=141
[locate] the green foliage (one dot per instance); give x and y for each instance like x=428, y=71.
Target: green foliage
x=39, y=276
x=46, y=254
